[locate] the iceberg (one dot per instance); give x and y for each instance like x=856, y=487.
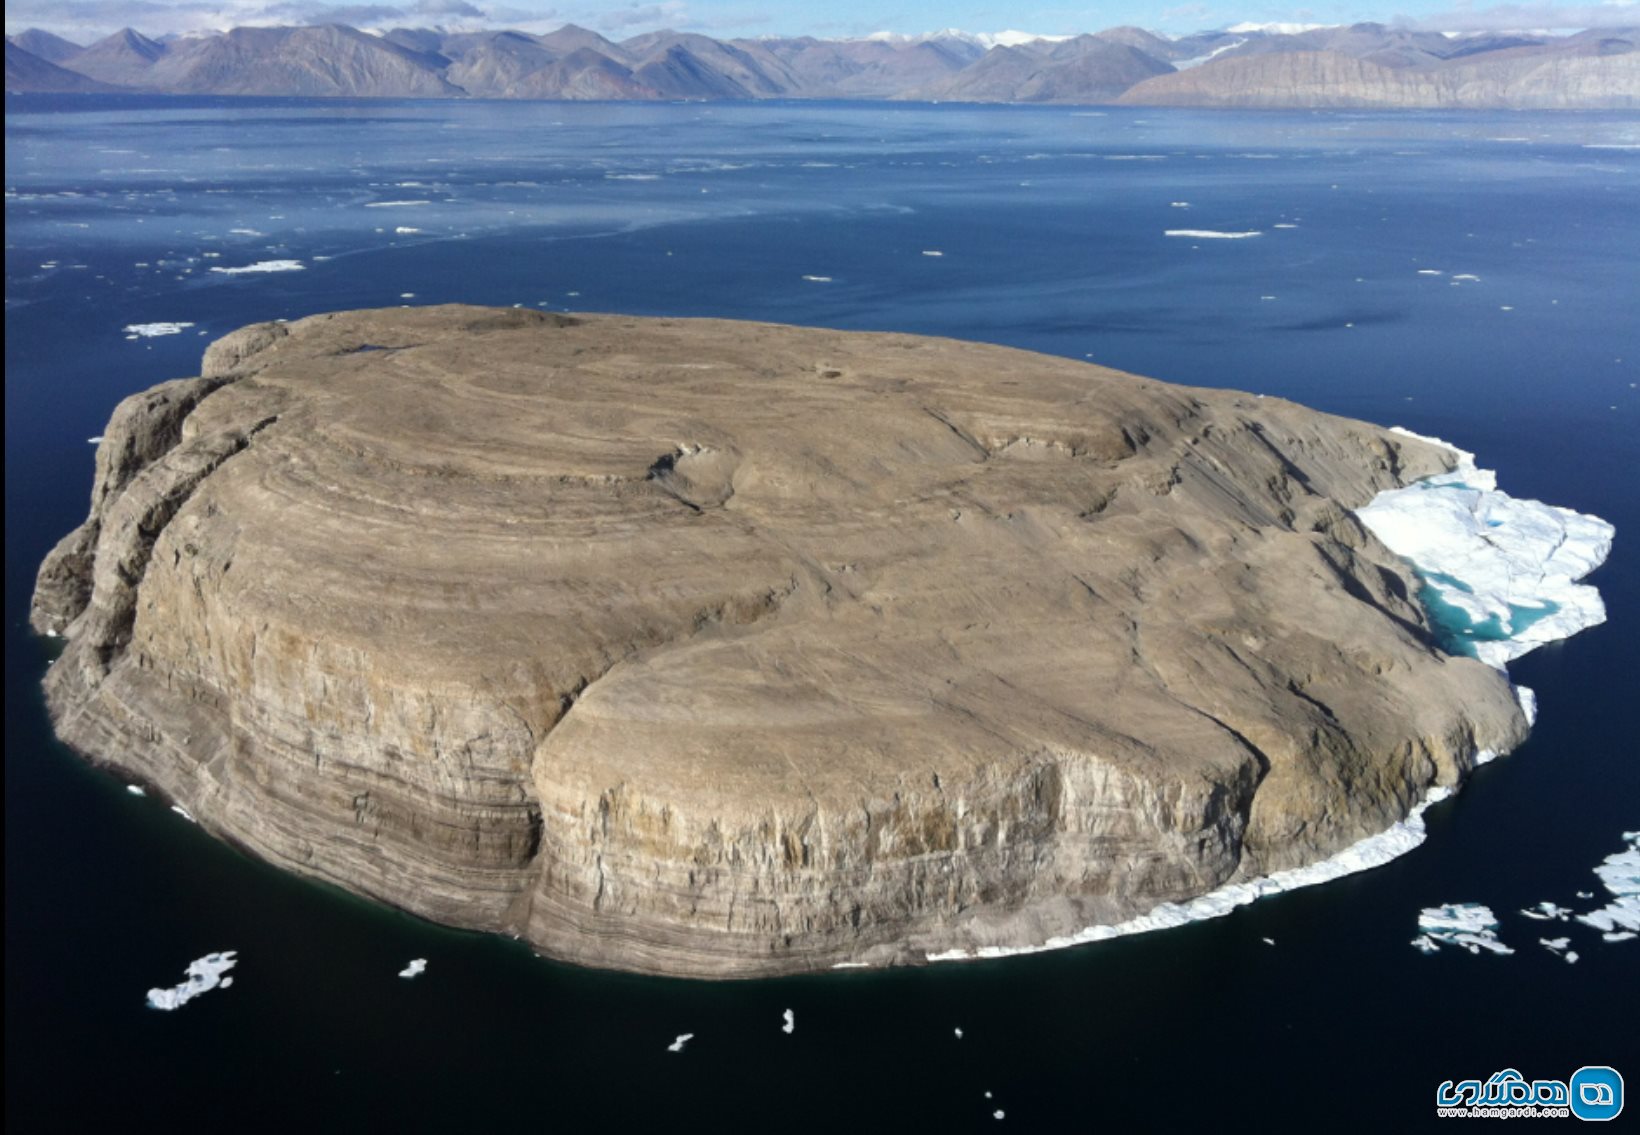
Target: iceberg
x=150, y=330
x=1499, y=574
x=1210, y=234
x=204, y=975
x=416, y=967
x=263, y=266
x=683, y=1039
x=791, y=1022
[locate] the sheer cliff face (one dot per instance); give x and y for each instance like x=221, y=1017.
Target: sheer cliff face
x=723, y=649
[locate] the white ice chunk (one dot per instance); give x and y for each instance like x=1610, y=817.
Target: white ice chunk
x=683, y=1039
x=1509, y=567
x=204, y=975
x=136, y=790
x=393, y=204
x=416, y=967
x=406, y=229
x=150, y=330
x=1620, y=874
x=1211, y=234
x=263, y=266
x=932, y=252
x=818, y=279
x=1527, y=698
x=184, y=813
x=1467, y=924
x=97, y=440
x=1547, y=912
x=957, y=1033
x=791, y=1022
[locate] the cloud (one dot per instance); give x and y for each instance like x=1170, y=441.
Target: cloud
x=85, y=20
x=668, y=13
x=1519, y=17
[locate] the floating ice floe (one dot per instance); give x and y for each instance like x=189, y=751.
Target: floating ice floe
x=393, y=204
x=957, y=1033
x=1620, y=874
x=1466, y=276
x=184, y=813
x=1467, y=924
x=263, y=266
x=1210, y=234
x=683, y=1039
x=405, y=230
x=1284, y=226
x=1547, y=912
x=1430, y=272
x=1499, y=574
x=150, y=330
x=1560, y=948
x=204, y=975
x=932, y=252
x=791, y=1022
x=97, y=440
x=136, y=790
x=818, y=279
x=416, y=968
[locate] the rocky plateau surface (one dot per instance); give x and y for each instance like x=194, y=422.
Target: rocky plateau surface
x=727, y=649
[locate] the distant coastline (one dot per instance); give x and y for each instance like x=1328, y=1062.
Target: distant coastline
x=1358, y=66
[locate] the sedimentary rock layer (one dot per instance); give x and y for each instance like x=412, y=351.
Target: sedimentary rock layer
x=725, y=649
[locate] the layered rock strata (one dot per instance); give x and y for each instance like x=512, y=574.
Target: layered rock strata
x=726, y=649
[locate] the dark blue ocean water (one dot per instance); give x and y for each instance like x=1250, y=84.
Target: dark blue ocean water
x=1051, y=226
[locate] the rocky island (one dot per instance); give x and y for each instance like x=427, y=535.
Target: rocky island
x=728, y=649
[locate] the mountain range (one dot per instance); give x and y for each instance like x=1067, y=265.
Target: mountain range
x=1362, y=65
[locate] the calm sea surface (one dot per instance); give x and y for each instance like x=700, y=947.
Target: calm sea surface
x=1051, y=227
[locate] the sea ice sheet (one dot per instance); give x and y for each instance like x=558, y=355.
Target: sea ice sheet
x=1500, y=574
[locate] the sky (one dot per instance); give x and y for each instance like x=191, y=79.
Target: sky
x=86, y=20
